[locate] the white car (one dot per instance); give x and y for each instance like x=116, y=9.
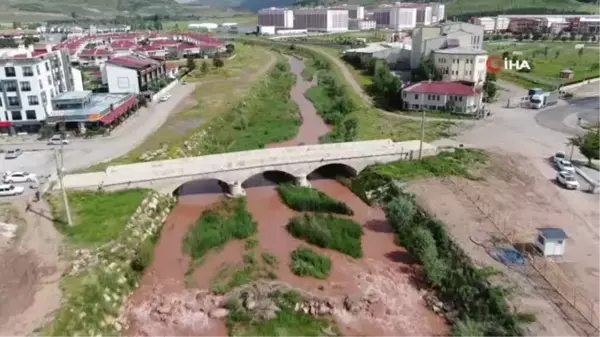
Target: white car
x=19, y=177
x=57, y=140
x=8, y=190
x=559, y=156
x=565, y=165
x=165, y=98
x=567, y=180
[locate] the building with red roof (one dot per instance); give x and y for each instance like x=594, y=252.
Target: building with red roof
x=95, y=56
x=133, y=73
x=442, y=95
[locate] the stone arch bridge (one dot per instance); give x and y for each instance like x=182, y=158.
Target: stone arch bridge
x=234, y=168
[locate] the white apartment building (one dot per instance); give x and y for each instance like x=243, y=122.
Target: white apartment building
x=438, y=12
x=441, y=95
x=395, y=17
x=492, y=24
x=29, y=79
x=277, y=17
x=424, y=15
x=321, y=20
x=354, y=11
x=461, y=64
x=355, y=24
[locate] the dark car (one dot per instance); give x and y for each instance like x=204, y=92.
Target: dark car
x=12, y=154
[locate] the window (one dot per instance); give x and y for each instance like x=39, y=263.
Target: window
x=560, y=242
x=437, y=98
x=44, y=98
x=540, y=239
x=10, y=86
x=37, y=68
x=25, y=86
x=460, y=98
x=47, y=66
x=30, y=114
x=33, y=100
x=13, y=101
x=27, y=71
x=10, y=72
x=416, y=96
x=16, y=115
x=52, y=93
x=41, y=84
x=0, y=102
x=49, y=80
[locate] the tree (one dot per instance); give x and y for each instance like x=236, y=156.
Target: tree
x=230, y=48
x=580, y=52
x=400, y=213
x=217, y=62
x=557, y=54
x=489, y=90
x=588, y=144
x=385, y=85
x=190, y=64
x=204, y=68
x=546, y=49
x=16, y=25
x=573, y=37
x=593, y=38
x=505, y=55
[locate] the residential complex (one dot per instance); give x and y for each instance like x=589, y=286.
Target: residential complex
x=29, y=79
x=461, y=64
x=518, y=24
x=407, y=15
x=321, y=19
x=132, y=74
x=276, y=17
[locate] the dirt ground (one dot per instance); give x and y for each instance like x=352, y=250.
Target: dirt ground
x=519, y=200
x=31, y=270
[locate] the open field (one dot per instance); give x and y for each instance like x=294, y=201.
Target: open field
x=242, y=19
x=247, y=60
x=548, y=59
x=210, y=99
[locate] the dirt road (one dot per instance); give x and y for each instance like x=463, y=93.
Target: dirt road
x=31, y=270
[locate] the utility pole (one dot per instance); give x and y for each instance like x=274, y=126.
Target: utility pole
x=60, y=172
x=422, y=126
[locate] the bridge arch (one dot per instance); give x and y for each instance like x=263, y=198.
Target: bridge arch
x=333, y=170
x=201, y=186
x=268, y=178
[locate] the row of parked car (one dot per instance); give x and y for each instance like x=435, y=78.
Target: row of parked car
x=566, y=171
x=8, y=188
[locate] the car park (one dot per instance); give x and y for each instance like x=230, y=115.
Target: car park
x=565, y=165
x=10, y=190
x=19, y=177
x=57, y=140
x=12, y=154
x=567, y=179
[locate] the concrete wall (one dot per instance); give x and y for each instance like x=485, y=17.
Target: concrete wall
x=122, y=80
x=237, y=167
x=164, y=90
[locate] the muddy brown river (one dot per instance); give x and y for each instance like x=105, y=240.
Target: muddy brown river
x=386, y=269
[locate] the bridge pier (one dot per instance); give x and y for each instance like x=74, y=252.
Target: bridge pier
x=302, y=181
x=236, y=190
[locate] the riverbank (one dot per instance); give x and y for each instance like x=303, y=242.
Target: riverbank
x=381, y=283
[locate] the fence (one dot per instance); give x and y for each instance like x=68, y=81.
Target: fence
x=549, y=270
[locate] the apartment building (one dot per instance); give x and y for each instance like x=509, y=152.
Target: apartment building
x=132, y=74
x=354, y=11
x=586, y=25
x=427, y=39
x=424, y=15
x=277, y=17
x=321, y=19
x=524, y=25
x=444, y=96
x=438, y=12
x=355, y=24
x=461, y=64
x=395, y=17
x=29, y=79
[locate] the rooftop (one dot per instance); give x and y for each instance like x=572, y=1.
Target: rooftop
x=553, y=233
x=133, y=62
x=98, y=108
x=461, y=50
x=73, y=95
x=442, y=88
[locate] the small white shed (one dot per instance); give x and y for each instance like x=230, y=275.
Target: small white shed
x=551, y=241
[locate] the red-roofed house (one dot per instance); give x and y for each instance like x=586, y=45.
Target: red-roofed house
x=151, y=50
x=440, y=95
x=133, y=73
x=95, y=57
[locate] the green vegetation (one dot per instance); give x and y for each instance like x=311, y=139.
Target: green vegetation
x=231, y=276
x=326, y=231
x=482, y=308
x=228, y=221
x=306, y=262
x=309, y=199
x=588, y=144
x=98, y=217
x=460, y=162
x=287, y=322
x=547, y=60
x=205, y=70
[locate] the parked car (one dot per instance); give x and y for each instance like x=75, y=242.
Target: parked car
x=565, y=165
x=567, y=180
x=8, y=190
x=12, y=154
x=57, y=140
x=559, y=156
x=165, y=98
x=19, y=177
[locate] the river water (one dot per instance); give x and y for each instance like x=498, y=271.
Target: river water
x=386, y=269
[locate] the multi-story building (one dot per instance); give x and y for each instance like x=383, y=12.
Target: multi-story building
x=587, y=25
x=355, y=24
x=461, y=64
x=132, y=74
x=395, y=17
x=488, y=23
x=354, y=11
x=29, y=79
x=525, y=25
x=277, y=17
x=441, y=95
x=438, y=12
x=424, y=14
x=321, y=19
x=427, y=39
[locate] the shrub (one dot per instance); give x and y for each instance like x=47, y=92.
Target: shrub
x=230, y=220
x=308, y=199
x=327, y=231
x=306, y=262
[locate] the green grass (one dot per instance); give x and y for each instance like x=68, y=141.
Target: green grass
x=247, y=59
x=326, y=231
x=269, y=258
x=98, y=217
x=307, y=262
x=309, y=199
x=228, y=221
x=309, y=71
